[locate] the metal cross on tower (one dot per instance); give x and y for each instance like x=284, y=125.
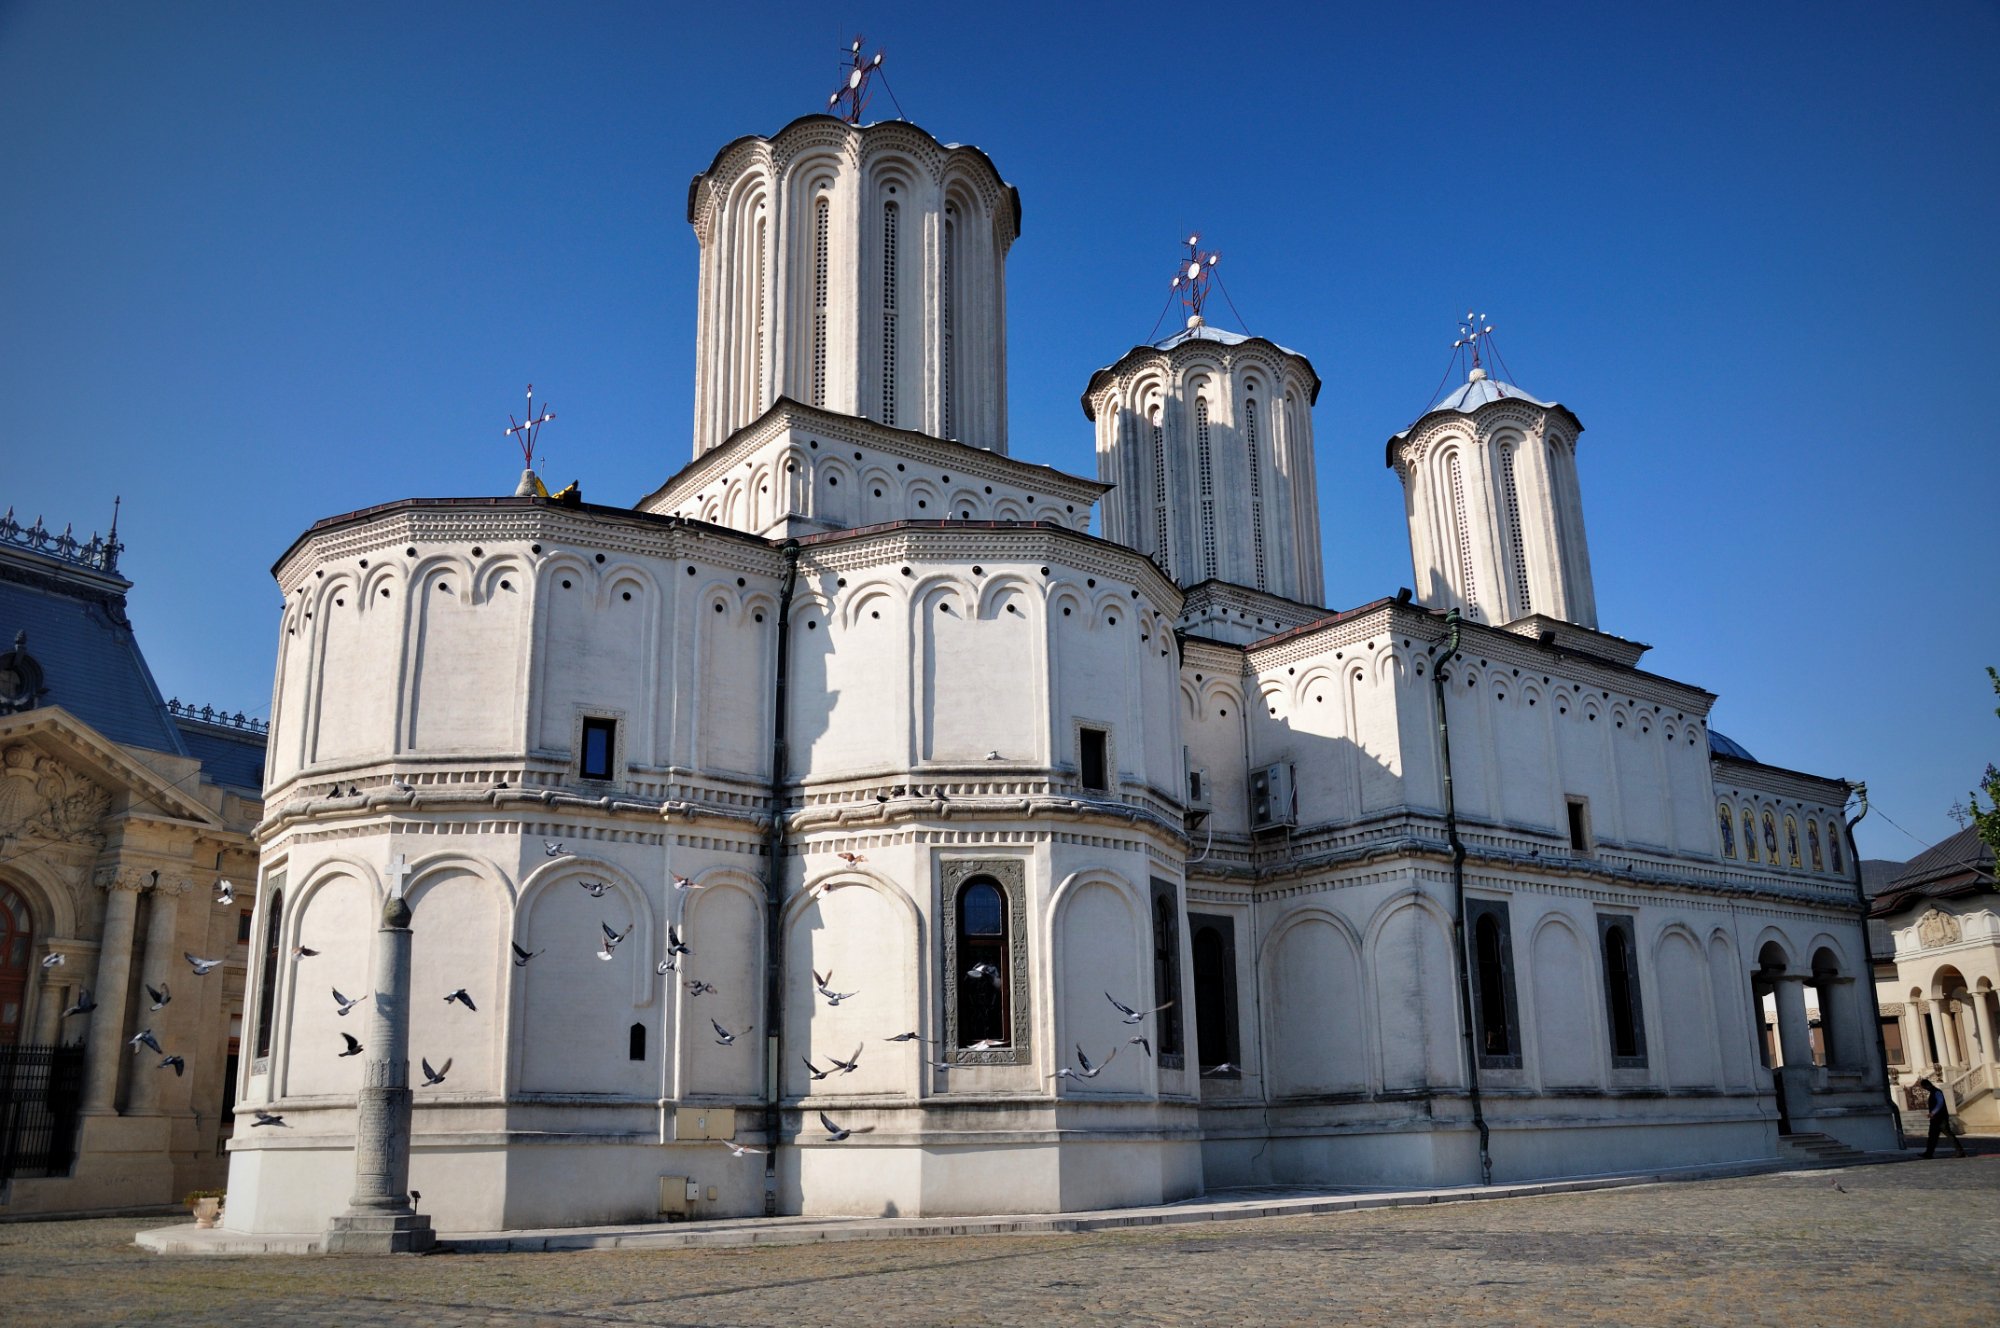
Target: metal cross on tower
x=530, y=429
x=1192, y=277
x=850, y=99
x=1472, y=332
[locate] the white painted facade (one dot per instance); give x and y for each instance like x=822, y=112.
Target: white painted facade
x=978, y=694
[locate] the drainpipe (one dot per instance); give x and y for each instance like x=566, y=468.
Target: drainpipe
x=1868, y=965
x=774, y=881
x=1439, y=657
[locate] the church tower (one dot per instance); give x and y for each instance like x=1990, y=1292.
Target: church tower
x=1496, y=517
x=1207, y=436
x=856, y=268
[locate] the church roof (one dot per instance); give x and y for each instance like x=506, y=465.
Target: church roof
x=1200, y=332
x=1470, y=398
x=1720, y=744
x=1953, y=865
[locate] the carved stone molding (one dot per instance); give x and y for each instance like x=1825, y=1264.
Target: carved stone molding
x=137, y=879
x=1011, y=875
x=40, y=798
x=1937, y=928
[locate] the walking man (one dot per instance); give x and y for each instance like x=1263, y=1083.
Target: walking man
x=1940, y=1120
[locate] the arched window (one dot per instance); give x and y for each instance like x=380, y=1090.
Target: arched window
x=1621, y=995
x=984, y=972
x=1162, y=546
x=267, y=978
x=1516, y=548
x=891, y=215
x=1749, y=835
x=1256, y=486
x=1771, y=839
x=1726, y=823
x=1835, y=834
x=1167, y=973
x=947, y=320
x=1455, y=477
x=1812, y=842
x=822, y=212
x=635, y=1043
x=17, y=946
x=1496, y=1022
x=757, y=351
x=1791, y=840
x=1205, y=467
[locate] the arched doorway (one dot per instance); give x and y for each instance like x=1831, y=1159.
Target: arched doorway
x=1951, y=1037
x=17, y=944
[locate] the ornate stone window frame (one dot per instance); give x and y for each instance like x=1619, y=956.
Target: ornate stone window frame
x=1011, y=875
x=1077, y=725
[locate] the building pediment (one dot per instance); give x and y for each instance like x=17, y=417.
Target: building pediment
x=58, y=777
x=1937, y=928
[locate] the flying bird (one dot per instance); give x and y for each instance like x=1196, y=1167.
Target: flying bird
x=835, y=1133
x=723, y=1037
x=817, y=1073
x=1133, y=1016
x=51, y=960
x=595, y=889
x=911, y=1036
x=1209, y=1072
x=666, y=966
x=611, y=940
x=225, y=894
x=984, y=973
x=849, y=1065
x=303, y=952
x=180, y=1066
x=675, y=946
x=433, y=1077
x=266, y=1118
x=345, y=1004
x=1140, y=1043
x=161, y=996
x=740, y=1150
x=144, y=1038
x=832, y=997
x=84, y=1004
x=1085, y=1069
x=683, y=883
x=353, y=1045
x=201, y=966
x=942, y=1066
x=851, y=859
x=701, y=988
x=462, y=998
x=521, y=957
x=552, y=847
x=825, y=888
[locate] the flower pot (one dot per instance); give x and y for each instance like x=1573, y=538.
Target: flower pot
x=206, y=1212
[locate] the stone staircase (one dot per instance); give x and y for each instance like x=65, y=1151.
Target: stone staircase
x=1818, y=1150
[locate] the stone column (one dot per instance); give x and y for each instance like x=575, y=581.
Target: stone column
x=1984, y=1022
x=1794, y=1037
x=379, y=1218
x=156, y=968
x=50, y=1005
x=1915, y=1057
x=114, y=977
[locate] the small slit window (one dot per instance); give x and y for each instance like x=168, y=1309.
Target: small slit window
x=600, y=746
x=1093, y=750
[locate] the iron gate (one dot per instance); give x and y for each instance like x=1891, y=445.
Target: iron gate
x=40, y=1091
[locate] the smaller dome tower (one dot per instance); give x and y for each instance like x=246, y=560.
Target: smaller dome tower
x=1496, y=517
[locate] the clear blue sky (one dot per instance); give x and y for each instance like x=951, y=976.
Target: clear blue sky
x=264, y=263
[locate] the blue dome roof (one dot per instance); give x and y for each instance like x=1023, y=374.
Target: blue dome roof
x=1720, y=744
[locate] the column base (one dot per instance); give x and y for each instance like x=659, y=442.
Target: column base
x=380, y=1233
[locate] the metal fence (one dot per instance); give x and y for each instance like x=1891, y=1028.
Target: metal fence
x=41, y=1089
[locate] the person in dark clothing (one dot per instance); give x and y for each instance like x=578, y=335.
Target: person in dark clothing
x=1940, y=1120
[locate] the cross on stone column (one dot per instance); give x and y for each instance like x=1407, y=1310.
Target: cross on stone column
x=398, y=874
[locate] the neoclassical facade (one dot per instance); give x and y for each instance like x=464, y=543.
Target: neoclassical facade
x=857, y=706
x=120, y=811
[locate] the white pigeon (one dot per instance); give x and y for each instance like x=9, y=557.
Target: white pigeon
x=740, y=1150
x=435, y=1076
x=987, y=1044
x=1132, y=1016
x=665, y=966
x=984, y=973
x=225, y=894
x=51, y=960
x=345, y=1004
x=1210, y=1071
x=201, y=966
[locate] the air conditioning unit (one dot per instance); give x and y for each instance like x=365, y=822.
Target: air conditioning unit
x=1197, y=794
x=1273, y=797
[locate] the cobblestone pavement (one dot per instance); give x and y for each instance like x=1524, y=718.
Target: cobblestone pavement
x=1916, y=1242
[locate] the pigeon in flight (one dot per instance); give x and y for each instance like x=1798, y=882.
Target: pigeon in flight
x=832, y=997
x=675, y=946
x=345, y=1004
x=225, y=894
x=595, y=889
x=521, y=957
x=701, y=988
x=304, y=952
x=201, y=966
x=984, y=973
x=824, y=888
x=266, y=1118
x=1085, y=1069
x=740, y=1150
x=161, y=996
x=666, y=966
x=611, y=940
x=553, y=847
x=145, y=1038
x=180, y=1066
x=683, y=883
x=353, y=1045
x=851, y=859
x=1133, y=1016
x=462, y=998
x=51, y=960
x=1140, y=1043
x=433, y=1077
x=911, y=1036
x=84, y=1004
x=987, y=1044
x=723, y=1037
x=851, y=1064
x=835, y=1133
x=1209, y=1072
x=817, y=1073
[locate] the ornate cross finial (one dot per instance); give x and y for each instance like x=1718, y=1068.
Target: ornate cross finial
x=529, y=430
x=398, y=873
x=1473, y=330
x=850, y=99
x=1192, y=278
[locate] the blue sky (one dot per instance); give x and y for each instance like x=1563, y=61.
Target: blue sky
x=265, y=263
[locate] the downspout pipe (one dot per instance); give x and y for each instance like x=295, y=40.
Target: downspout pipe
x=774, y=878
x=1440, y=656
x=1868, y=968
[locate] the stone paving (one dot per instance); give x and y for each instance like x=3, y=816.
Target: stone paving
x=1915, y=1242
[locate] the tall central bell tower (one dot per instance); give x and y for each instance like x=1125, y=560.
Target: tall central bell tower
x=861, y=269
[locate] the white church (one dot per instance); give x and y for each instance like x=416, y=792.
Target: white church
x=857, y=725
